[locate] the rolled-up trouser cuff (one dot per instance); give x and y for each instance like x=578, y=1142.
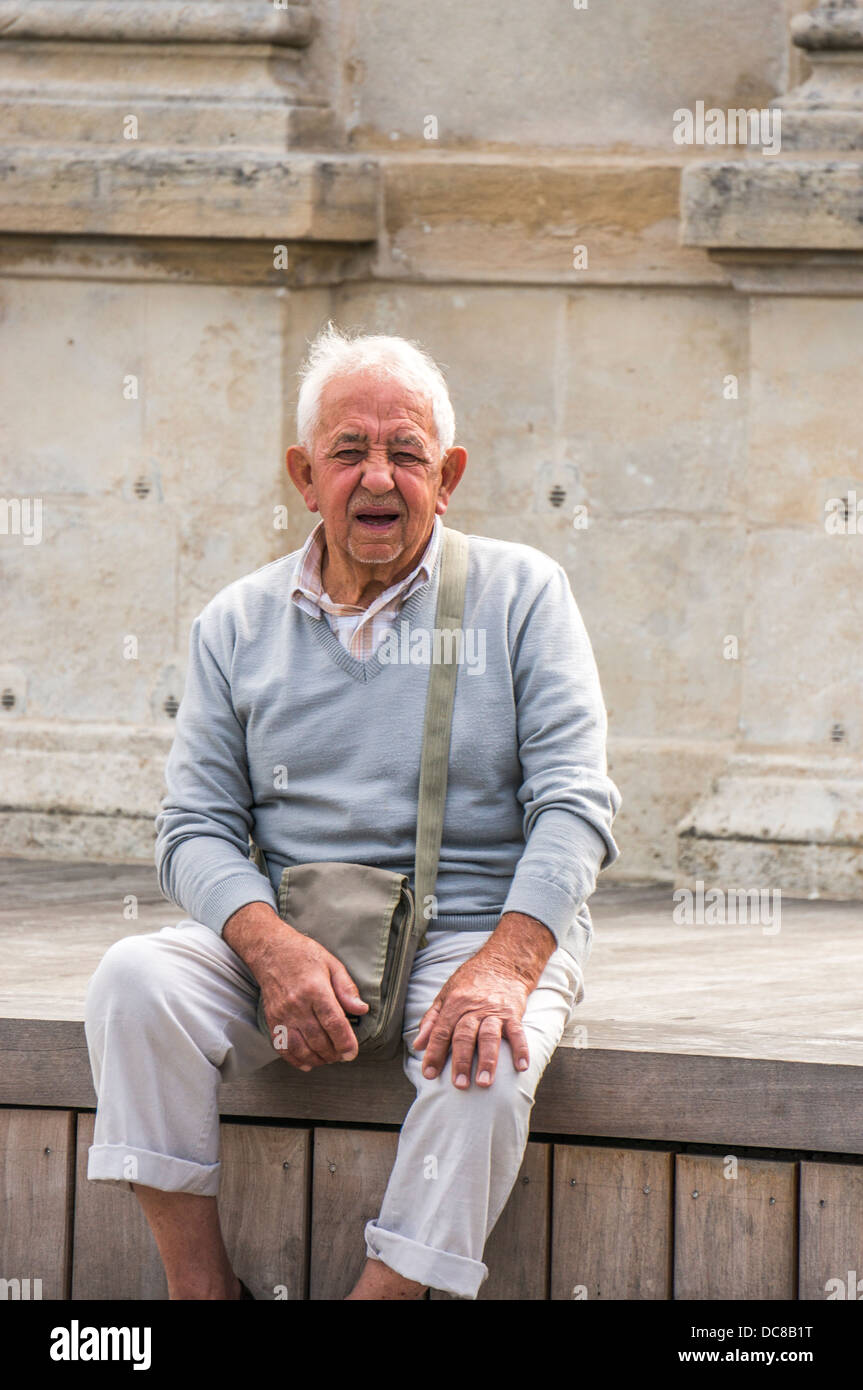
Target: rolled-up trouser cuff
x=115, y=1162
x=455, y=1274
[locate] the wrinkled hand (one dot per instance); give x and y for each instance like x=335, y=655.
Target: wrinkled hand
x=306, y=994
x=482, y=1002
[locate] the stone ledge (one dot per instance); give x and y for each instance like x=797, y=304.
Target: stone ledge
x=488, y=218
x=165, y=193
x=824, y=274
x=185, y=260
x=159, y=21
x=500, y=218
x=61, y=834
x=52, y=776
x=801, y=833
x=830, y=872
x=806, y=204
x=805, y=810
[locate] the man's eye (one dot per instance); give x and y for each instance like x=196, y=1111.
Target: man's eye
x=349, y=454
x=406, y=458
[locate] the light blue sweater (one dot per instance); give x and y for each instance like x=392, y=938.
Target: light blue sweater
x=283, y=735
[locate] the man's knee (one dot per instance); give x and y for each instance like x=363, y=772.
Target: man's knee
x=506, y=1102
x=131, y=973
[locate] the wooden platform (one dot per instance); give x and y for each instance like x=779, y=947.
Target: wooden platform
x=696, y=1045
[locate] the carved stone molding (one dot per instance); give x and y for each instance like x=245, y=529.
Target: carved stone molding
x=168, y=194
x=809, y=196
x=799, y=829
x=165, y=119
x=157, y=21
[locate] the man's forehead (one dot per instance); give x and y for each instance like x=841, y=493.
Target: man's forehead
x=360, y=404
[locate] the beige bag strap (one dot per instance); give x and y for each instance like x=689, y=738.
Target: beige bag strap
x=437, y=730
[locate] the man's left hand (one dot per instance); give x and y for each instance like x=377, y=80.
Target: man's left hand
x=484, y=1001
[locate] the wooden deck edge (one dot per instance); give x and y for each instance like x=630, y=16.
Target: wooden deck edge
x=665, y=1096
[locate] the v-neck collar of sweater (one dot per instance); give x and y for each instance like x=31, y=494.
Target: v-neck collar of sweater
x=366, y=670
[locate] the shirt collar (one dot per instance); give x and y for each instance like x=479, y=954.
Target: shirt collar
x=307, y=575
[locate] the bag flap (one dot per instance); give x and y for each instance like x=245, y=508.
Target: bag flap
x=349, y=908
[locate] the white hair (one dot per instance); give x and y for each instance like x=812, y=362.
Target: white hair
x=333, y=353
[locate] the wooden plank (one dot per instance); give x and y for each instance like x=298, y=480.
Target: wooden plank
x=831, y=1231
x=516, y=1252
x=699, y=1099
x=45, y=1062
x=611, y=1223
x=36, y=1193
x=735, y=1229
x=584, y=1091
x=264, y=1207
x=115, y=1255
x=364, y=1092
x=350, y=1174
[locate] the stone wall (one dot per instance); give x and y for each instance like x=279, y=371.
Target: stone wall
x=628, y=344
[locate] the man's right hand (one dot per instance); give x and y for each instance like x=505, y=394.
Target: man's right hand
x=306, y=992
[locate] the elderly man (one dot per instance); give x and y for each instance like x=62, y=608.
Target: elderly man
x=285, y=675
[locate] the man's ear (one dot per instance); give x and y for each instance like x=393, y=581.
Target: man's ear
x=452, y=468
x=300, y=470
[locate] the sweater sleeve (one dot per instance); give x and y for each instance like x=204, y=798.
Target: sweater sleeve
x=203, y=828
x=569, y=801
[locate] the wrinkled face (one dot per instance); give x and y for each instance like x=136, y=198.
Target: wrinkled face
x=376, y=474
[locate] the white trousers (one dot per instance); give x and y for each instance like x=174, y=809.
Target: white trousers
x=172, y=1014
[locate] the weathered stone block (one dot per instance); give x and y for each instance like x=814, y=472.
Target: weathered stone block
x=577, y=220
x=232, y=193
x=89, y=611
x=760, y=204
x=654, y=399
x=804, y=429
x=607, y=76
x=800, y=652
x=660, y=597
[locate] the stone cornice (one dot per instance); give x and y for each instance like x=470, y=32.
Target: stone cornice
x=804, y=204
x=157, y=21
x=172, y=193
x=431, y=217
x=807, y=196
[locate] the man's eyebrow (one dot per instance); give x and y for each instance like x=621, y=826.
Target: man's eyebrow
x=352, y=437
x=413, y=439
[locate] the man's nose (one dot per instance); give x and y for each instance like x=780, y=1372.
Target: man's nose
x=377, y=472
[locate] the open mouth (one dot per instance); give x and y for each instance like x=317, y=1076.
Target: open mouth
x=377, y=521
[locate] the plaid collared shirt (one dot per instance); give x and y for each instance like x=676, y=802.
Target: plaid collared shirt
x=359, y=630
